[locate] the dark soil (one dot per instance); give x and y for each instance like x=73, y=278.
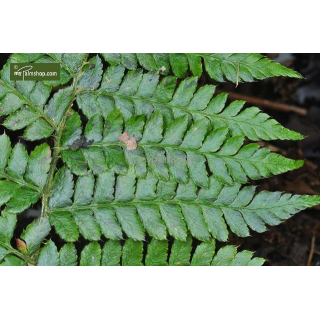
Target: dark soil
x=291, y=242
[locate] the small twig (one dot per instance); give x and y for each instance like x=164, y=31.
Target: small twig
x=238, y=69
x=272, y=147
x=313, y=242
x=267, y=103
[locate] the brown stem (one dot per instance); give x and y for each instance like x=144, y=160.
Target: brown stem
x=312, y=247
x=282, y=107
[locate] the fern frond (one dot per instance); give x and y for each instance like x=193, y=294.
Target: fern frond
x=132, y=253
x=111, y=206
x=33, y=237
x=69, y=62
x=22, y=177
x=235, y=67
x=24, y=102
x=139, y=93
x=179, y=151
x=150, y=166
x=113, y=253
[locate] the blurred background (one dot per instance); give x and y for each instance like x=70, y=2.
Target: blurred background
x=295, y=104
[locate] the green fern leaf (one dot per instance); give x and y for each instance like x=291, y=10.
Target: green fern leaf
x=179, y=151
x=12, y=261
x=34, y=234
x=157, y=253
x=139, y=93
x=150, y=165
x=206, y=213
x=131, y=254
x=111, y=253
x=203, y=254
x=91, y=255
x=22, y=177
x=235, y=67
x=24, y=102
x=68, y=255
x=49, y=255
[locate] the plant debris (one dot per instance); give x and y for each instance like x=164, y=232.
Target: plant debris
x=81, y=142
x=130, y=143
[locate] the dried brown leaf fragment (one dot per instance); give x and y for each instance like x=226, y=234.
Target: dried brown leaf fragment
x=21, y=246
x=130, y=143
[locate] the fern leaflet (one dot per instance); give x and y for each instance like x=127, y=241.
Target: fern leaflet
x=179, y=151
x=139, y=93
x=235, y=67
x=124, y=204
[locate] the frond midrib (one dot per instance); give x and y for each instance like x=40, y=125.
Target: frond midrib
x=133, y=202
x=21, y=182
x=178, y=147
x=156, y=104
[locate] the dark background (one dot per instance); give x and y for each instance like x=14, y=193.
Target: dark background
x=296, y=241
